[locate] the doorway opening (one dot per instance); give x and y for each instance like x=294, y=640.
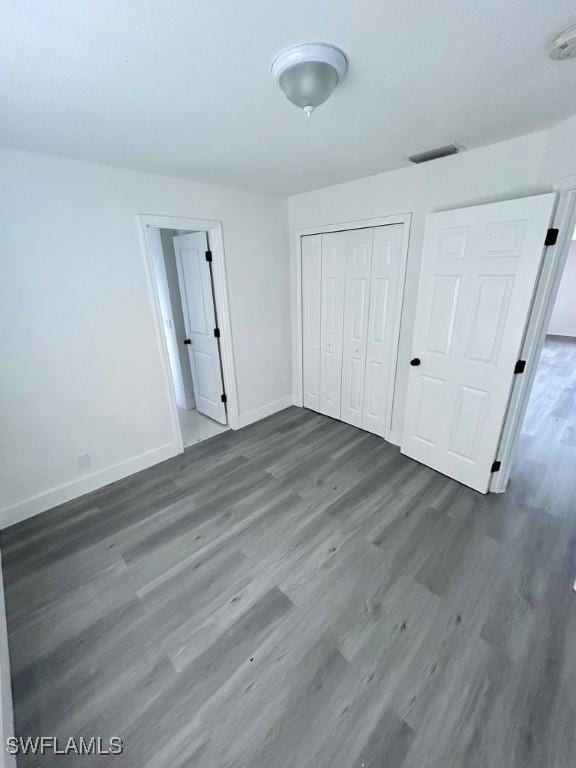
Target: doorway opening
x=525, y=454
x=188, y=314
x=547, y=441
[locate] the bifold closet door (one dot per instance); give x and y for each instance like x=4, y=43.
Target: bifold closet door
x=331, y=322
x=356, y=306
x=311, y=304
x=385, y=299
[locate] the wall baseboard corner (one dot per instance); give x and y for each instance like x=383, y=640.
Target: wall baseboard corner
x=266, y=410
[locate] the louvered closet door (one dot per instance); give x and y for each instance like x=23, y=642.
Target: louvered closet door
x=331, y=321
x=356, y=306
x=311, y=304
x=385, y=298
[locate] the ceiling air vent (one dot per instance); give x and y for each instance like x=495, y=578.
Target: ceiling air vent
x=434, y=154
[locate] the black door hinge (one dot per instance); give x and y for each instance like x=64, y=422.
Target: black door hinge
x=520, y=366
x=224, y=398
x=551, y=237
x=217, y=333
x=208, y=255
x=187, y=341
x=496, y=466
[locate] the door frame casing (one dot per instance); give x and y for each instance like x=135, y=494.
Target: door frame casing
x=551, y=270
x=382, y=221
x=214, y=231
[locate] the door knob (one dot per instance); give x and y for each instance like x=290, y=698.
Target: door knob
x=415, y=361
x=187, y=341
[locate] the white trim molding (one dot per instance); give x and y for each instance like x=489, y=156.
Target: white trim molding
x=92, y=482
x=296, y=258
x=216, y=245
x=265, y=410
x=553, y=262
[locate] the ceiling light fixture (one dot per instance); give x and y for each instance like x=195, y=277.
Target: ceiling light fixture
x=564, y=46
x=309, y=72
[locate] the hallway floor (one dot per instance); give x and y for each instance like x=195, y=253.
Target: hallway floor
x=197, y=427
x=548, y=440
x=298, y=594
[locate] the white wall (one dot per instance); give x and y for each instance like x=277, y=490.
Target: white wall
x=563, y=320
x=497, y=172
x=6, y=717
x=80, y=370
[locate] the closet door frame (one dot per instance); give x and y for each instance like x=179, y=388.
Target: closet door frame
x=383, y=221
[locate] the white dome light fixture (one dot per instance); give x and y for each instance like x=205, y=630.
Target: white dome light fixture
x=309, y=72
x=564, y=46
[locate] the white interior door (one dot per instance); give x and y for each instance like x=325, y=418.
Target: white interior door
x=383, y=323
x=479, y=270
x=311, y=303
x=331, y=321
x=200, y=321
x=356, y=304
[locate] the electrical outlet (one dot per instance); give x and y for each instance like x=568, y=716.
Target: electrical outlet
x=83, y=460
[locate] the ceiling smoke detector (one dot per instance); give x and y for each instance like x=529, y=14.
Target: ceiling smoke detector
x=309, y=72
x=564, y=46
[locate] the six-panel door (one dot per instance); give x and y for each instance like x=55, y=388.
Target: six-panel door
x=478, y=274
x=385, y=298
x=331, y=322
x=311, y=303
x=356, y=303
x=200, y=321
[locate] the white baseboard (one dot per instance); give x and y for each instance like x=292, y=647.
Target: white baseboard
x=189, y=404
x=266, y=410
x=72, y=490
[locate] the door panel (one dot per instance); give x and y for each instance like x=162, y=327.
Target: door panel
x=356, y=304
x=385, y=298
x=479, y=270
x=445, y=290
x=464, y=439
x=200, y=321
x=311, y=304
x=491, y=305
x=428, y=409
x=331, y=321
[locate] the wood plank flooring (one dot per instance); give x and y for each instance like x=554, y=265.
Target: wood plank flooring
x=300, y=595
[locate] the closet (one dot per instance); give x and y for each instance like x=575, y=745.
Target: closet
x=351, y=297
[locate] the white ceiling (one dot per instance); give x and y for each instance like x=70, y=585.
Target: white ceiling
x=183, y=87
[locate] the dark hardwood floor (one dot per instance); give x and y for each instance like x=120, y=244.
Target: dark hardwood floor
x=300, y=595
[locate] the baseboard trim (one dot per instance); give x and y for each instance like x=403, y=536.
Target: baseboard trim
x=72, y=490
x=561, y=337
x=266, y=410
x=188, y=405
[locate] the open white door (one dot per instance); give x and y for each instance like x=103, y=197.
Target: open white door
x=477, y=280
x=200, y=321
